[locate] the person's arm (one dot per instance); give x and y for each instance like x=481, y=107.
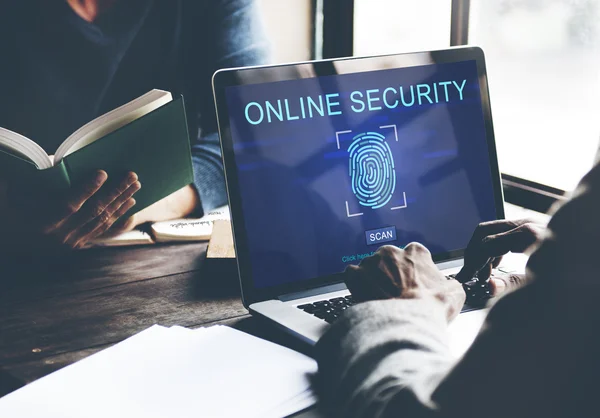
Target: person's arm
x=177, y=205
x=216, y=34
x=391, y=358
x=381, y=350
x=232, y=37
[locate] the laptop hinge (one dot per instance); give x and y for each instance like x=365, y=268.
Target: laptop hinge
x=313, y=292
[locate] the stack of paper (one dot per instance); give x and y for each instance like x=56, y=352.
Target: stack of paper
x=174, y=372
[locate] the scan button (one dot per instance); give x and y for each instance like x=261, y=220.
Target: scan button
x=381, y=235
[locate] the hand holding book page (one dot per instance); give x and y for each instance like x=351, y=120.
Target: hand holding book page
x=76, y=195
x=70, y=218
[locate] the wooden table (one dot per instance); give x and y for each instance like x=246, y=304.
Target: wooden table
x=59, y=311
x=56, y=312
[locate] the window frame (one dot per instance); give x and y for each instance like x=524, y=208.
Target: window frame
x=333, y=37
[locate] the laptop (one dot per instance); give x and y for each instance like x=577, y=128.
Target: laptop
x=326, y=161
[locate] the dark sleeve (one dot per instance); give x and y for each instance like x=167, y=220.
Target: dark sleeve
x=232, y=36
x=380, y=351
x=391, y=359
x=536, y=354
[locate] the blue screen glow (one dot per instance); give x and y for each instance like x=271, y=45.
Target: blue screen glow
x=331, y=167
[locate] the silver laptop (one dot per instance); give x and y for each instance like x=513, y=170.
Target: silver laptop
x=326, y=161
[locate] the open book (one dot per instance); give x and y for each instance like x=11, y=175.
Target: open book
x=147, y=135
x=177, y=230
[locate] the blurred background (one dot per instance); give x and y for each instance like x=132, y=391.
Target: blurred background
x=543, y=60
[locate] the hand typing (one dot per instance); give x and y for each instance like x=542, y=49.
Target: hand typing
x=491, y=241
x=405, y=274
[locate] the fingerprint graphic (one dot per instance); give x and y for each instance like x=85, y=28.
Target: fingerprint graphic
x=372, y=170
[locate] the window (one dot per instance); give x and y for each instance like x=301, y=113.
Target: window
x=543, y=60
x=392, y=26
x=288, y=25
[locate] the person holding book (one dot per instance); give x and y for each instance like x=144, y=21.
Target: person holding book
x=74, y=60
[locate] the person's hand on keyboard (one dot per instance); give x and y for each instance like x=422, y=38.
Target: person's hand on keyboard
x=491, y=241
x=406, y=274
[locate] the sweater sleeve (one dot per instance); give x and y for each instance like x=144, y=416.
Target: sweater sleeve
x=391, y=358
x=231, y=37
x=381, y=351
x=536, y=354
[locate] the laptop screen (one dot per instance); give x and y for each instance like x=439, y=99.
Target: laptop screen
x=330, y=168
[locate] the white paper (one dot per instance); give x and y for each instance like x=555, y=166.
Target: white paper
x=464, y=329
x=209, y=372
x=299, y=403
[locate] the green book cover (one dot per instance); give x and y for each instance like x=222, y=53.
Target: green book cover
x=155, y=146
x=24, y=172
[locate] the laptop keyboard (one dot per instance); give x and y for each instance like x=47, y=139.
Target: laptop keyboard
x=328, y=310
x=478, y=293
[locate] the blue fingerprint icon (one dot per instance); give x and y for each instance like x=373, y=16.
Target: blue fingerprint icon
x=372, y=170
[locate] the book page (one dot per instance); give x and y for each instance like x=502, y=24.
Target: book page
x=111, y=121
x=135, y=237
x=24, y=148
x=189, y=229
x=176, y=230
